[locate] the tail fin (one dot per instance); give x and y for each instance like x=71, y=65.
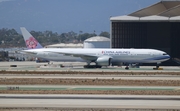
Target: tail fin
x=30, y=41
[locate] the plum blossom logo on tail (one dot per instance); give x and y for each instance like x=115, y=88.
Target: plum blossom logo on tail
x=31, y=43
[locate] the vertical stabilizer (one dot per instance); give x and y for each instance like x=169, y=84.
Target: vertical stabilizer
x=30, y=41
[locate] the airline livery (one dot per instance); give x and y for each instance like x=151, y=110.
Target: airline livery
x=101, y=57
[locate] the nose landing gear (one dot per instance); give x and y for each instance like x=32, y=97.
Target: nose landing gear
x=157, y=67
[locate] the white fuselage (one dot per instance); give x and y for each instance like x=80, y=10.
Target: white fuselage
x=117, y=55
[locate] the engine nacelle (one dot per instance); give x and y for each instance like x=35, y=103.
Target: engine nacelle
x=104, y=61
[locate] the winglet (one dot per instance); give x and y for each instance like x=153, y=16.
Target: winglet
x=30, y=41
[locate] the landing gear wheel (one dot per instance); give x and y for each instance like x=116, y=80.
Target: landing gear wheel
x=85, y=66
x=97, y=66
x=92, y=66
x=157, y=67
x=127, y=67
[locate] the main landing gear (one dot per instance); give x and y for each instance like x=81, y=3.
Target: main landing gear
x=136, y=65
x=127, y=67
x=92, y=66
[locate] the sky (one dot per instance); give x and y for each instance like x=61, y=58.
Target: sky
x=66, y=15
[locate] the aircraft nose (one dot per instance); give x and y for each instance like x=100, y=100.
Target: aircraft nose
x=168, y=56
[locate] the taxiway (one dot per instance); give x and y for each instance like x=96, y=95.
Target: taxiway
x=90, y=101
x=64, y=76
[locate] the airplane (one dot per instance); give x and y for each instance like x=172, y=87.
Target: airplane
x=101, y=57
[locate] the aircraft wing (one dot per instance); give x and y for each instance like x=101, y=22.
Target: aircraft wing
x=83, y=56
x=27, y=52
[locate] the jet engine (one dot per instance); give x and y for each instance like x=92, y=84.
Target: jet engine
x=103, y=61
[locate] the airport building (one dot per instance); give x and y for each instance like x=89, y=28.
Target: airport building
x=156, y=27
x=93, y=42
x=97, y=42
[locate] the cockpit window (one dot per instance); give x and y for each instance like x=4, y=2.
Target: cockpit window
x=164, y=54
